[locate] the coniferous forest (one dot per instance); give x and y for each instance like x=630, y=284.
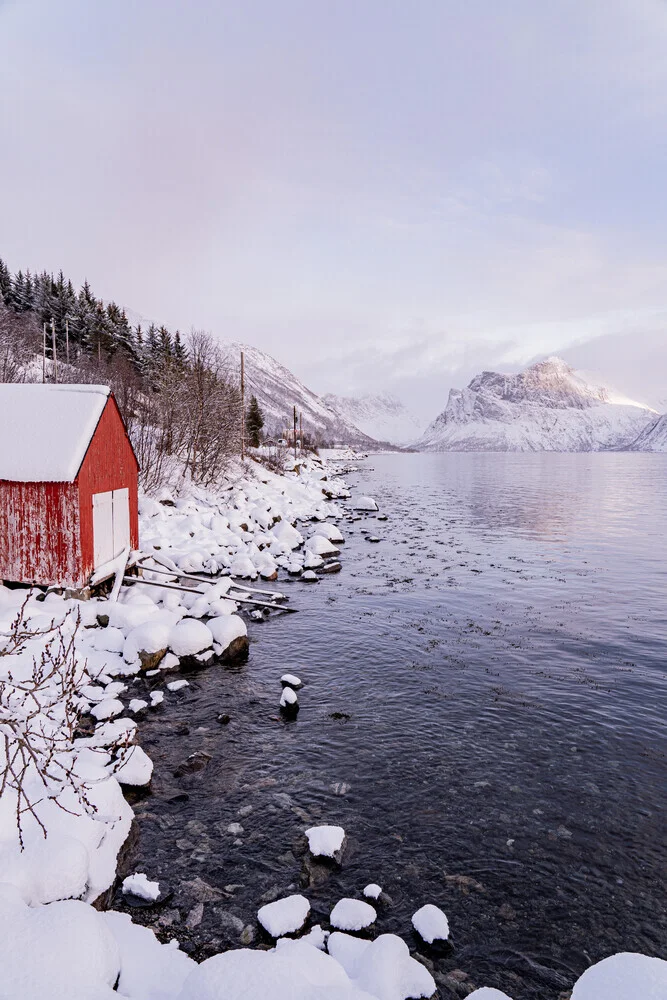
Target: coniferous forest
x=180, y=402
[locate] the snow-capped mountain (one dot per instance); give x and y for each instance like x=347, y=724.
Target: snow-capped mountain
x=653, y=437
x=278, y=390
x=546, y=407
x=382, y=417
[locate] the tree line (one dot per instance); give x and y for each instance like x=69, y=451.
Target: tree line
x=179, y=399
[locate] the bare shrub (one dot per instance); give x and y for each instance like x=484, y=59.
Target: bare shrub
x=38, y=719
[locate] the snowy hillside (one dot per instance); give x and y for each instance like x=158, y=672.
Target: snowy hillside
x=383, y=417
x=546, y=407
x=278, y=390
x=653, y=437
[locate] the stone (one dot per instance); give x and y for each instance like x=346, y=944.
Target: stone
x=331, y=567
x=197, y=761
x=247, y=935
x=194, y=917
x=150, y=661
x=237, y=650
x=229, y=922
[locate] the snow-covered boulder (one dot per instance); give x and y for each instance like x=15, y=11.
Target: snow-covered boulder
x=287, y=534
x=63, y=950
x=230, y=635
x=147, y=643
x=295, y=971
x=291, y=680
x=431, y=923
x=133, y=767
x=365, y=503
x=373, y=891
x=320, y=546
x=189, y=637
x=625, y=976
x=284, y=916
x=488, y=993
x=330, y=531
x=384, y=967
x=352, y=915
x=149, y=970
x=139, y=885
x=326, y=841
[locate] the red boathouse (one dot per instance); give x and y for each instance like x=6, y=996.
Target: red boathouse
x=68, y=484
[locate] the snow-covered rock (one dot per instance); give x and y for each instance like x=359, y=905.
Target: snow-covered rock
x=139, y=885
x=431, y=923
x=178, y=685
x=289, y=700
x=63, y=951
x=626, y=976
x=148, y=637
x=227, y=629
x=295, y=971
x=330, y=531
x=133, y=767
x=149, y=970
x=292, y=681
x=325, y=841
x=384, y=967
x=366, y=503
x=189, y=637
x=372, y=891
x=352, y=915
x=284, y=916
x=546, y=407
x=321, y=546
x=488, y=993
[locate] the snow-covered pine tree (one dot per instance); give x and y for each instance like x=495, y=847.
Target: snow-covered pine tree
x=254, y=422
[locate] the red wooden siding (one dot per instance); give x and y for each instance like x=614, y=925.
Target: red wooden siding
x=109, y=464
x=39, y=533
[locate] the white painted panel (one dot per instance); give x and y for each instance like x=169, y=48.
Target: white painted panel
x=121, y=521
x=103, y=549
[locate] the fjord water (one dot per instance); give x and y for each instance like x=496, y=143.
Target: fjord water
x=483, y=712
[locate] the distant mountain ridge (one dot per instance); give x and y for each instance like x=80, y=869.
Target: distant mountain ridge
x=278, y=390
x=653, y=437
x=546, y=407
x=382, y=416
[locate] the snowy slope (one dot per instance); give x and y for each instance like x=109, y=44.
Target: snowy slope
x=383, y=417
x=278, y=390
x=546, y=407
x=653, y=437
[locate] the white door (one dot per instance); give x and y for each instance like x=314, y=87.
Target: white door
x=111, y=525
x=102, y=528
x=121, y=521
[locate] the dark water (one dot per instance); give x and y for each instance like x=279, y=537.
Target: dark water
x=498, y=660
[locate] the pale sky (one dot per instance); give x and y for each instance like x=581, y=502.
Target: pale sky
x=385, y=195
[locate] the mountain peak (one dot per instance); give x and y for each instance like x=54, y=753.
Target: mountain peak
x=546, y=407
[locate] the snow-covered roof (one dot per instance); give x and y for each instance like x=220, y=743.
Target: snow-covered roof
x=45, y=430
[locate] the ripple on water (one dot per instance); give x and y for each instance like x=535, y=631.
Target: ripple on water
x=482, y=711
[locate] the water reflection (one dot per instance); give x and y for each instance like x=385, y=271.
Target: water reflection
x=483, y=712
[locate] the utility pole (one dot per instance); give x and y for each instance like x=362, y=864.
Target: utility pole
x=43, y=352
x=301, y=431
x=242, y=406
x=53, y=346
x=67, y=339
x=295, y=433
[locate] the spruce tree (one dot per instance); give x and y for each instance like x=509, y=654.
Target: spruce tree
x=254, y=422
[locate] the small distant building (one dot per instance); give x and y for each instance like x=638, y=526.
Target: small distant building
x=68, y=484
